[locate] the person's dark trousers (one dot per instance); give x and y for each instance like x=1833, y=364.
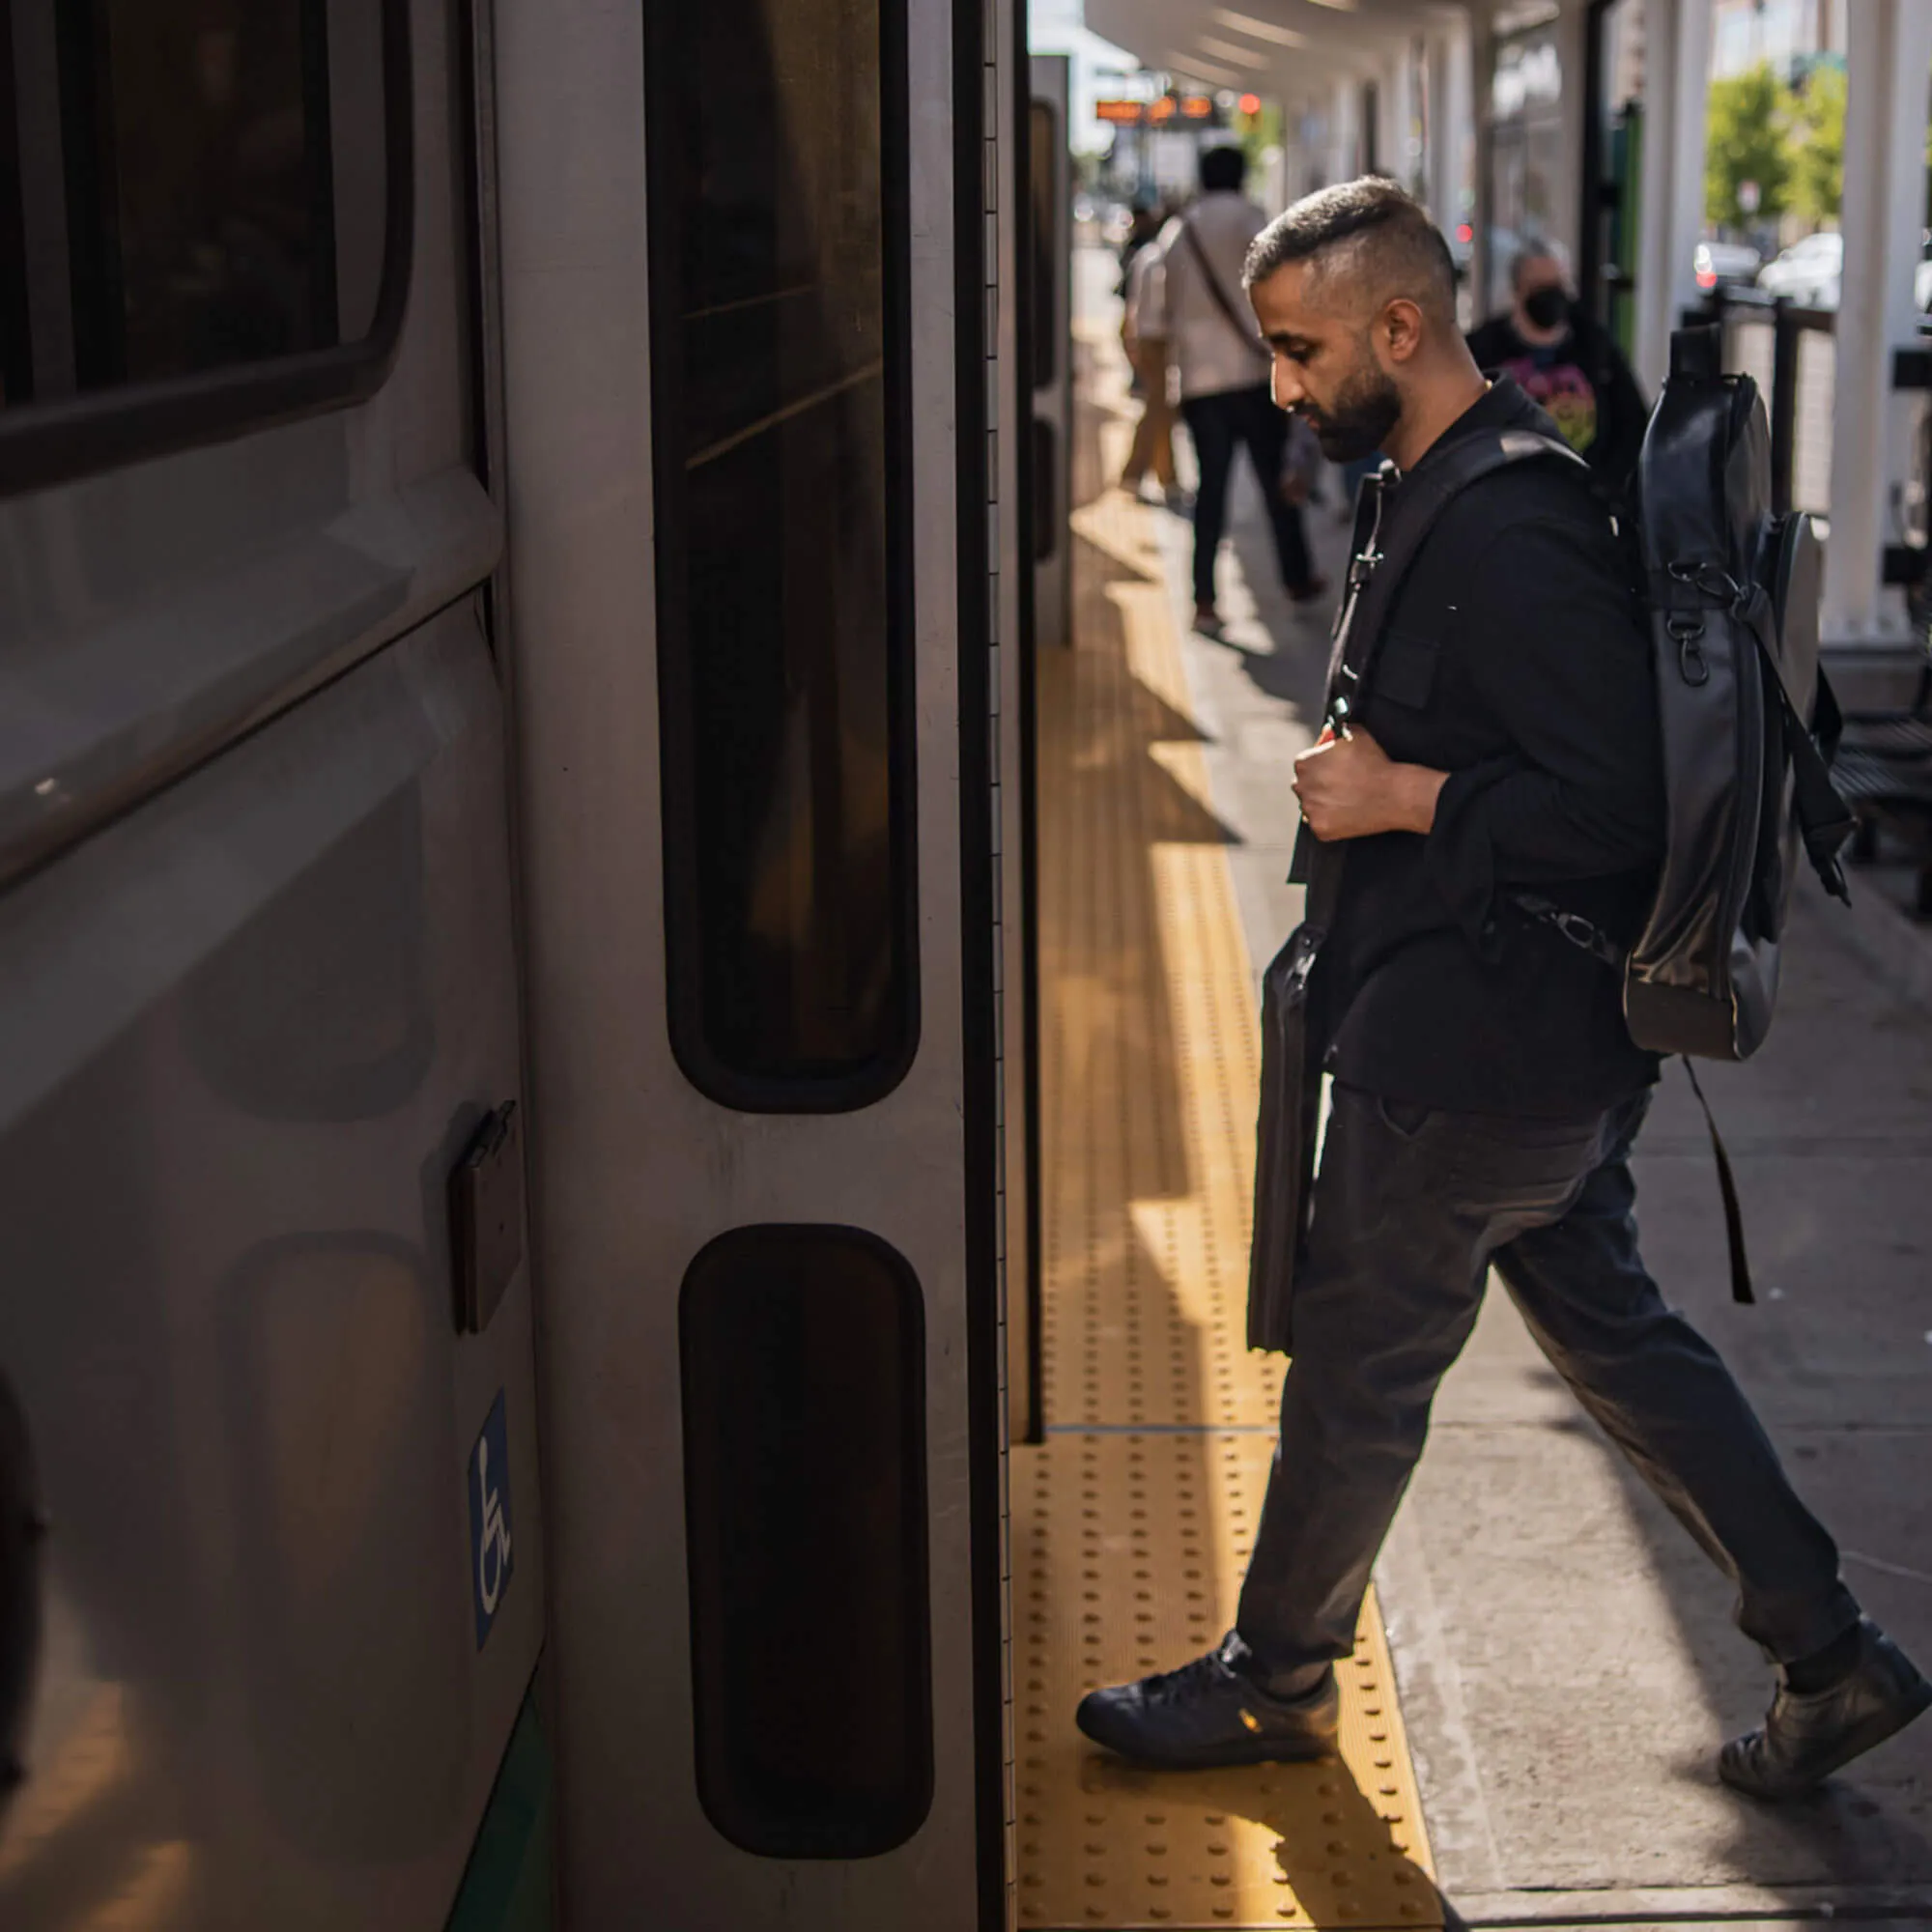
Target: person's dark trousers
x=1410, y=1209
x=1218, y=425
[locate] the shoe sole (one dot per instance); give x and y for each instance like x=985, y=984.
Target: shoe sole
x=1867, y=1737
x=1260, y=1752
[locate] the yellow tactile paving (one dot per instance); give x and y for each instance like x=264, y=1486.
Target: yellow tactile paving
x=1149, y=1030
x=1129, y=1551
x=1132, y=1524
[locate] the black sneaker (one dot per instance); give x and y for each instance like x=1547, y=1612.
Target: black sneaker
x=1212, y=1712
x=1806, y=1737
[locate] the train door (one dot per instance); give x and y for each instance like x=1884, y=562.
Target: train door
x=271, y=1447
x=751, y=329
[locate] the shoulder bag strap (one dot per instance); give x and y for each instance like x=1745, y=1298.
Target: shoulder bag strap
x=1386, y=545
x=1222, y=301
x=1683, y=592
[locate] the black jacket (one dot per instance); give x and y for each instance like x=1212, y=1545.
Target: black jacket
x=1514, y=657
x=1584, y=384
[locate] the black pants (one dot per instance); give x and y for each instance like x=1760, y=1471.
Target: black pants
x=1410, y=1210
x=1217, y=424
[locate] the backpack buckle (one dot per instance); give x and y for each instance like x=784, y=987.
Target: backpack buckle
x=1709, y=579
x=1687, y=633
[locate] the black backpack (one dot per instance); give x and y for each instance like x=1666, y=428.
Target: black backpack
x=1749, y=722
x=1749, y=727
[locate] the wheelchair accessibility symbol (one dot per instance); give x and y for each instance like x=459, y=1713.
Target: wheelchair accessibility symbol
x=490, y=1550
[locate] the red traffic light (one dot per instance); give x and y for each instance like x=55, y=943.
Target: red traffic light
x=1251, y=103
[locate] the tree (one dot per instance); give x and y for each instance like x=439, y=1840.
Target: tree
x=1257, y=134
x=1818, y=146
x=1745, y=142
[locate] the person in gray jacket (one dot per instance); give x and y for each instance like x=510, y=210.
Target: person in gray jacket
x=1198, y=308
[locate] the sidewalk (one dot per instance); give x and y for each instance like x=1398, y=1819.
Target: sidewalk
x=1565, y=1655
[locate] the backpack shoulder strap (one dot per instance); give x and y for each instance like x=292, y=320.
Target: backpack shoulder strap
x=1222, y=300
x=1388, y=539
x=1374, y=580
x=1824, y=819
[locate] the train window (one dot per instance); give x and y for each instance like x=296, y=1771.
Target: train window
x=804, y=1353
x=204, y=219
x=1043, y=179
x=778, y=222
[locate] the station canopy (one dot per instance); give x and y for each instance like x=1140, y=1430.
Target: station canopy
x=1281, y=48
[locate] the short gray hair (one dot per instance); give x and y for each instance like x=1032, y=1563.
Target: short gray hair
x=1371, y=230
x=1533, y=251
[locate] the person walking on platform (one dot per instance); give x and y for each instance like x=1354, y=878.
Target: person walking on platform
x=1498, y=733
x=1567, y=363
x=1153, y=434
x=1197, y=309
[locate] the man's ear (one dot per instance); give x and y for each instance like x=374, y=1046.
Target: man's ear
x=1400, y=329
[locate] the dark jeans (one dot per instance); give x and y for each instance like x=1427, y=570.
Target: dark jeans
x=1217, y=424
x=1410, y=1209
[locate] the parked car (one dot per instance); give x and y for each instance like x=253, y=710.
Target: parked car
x=1921, y=287
x=1725, y=263
x=1808, y=272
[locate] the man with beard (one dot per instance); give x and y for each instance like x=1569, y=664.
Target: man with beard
x=1560, y=357
x=1486, y=1093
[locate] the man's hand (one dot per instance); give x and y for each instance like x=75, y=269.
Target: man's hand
x=1349, y=788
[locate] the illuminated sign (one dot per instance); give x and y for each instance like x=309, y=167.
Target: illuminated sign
x=1127, y=111
x=1197, y=106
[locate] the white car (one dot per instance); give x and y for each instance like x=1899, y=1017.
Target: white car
x=1808, y=272
x=1921, y=287
x=1718, y=262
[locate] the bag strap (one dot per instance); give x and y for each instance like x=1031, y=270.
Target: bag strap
x=1727, y=1186
x=1222, y=301
x=1824, y=821
x=1389, y=536
x=1593, y=940
x=1435, y=483
x=1313, y=864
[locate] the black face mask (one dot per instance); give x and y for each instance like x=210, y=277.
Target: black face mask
x=1546, y=307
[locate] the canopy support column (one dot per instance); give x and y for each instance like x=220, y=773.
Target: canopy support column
x=1889, y=53
x=1677, y=68
x=1483, y=79
x=1451, y=123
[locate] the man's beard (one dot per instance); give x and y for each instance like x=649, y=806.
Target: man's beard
x=1357, y=423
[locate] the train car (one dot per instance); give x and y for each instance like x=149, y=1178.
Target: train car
x=513, y=1066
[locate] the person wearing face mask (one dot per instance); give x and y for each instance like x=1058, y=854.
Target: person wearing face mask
x=1494, y=733
x=1566, y=363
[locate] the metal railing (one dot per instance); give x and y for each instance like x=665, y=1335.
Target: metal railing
x=1791, y=354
